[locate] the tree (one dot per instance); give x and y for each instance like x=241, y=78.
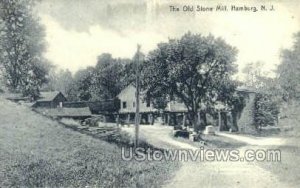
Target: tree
x=232, y=101
x=289, y=70
x=253, y=72
x=60, y=80
x=191, y=69
x=109, y=77
x=102, y=82
x=268, y=94
x=266, y=110
x=267, y=101
x=81, y=88
x=238, y=103
x=129, y=71
x=21, y=46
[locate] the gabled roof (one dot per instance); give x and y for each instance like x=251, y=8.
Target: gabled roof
x=48, y=96
x=68, y=112
x=15, y=97
x=245, y=89
x=128, y=88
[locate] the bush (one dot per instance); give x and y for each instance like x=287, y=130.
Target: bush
x=266, y=110
x=181, y=133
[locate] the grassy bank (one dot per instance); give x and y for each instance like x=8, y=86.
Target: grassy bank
x=287, y=169
x=38, y=152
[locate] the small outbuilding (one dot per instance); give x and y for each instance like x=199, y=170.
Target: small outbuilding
x=51, y=99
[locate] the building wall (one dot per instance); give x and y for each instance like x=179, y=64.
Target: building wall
x=57, y=100
x=42, y=104
x=246, y=120
x=128, y=103
x=51, y=104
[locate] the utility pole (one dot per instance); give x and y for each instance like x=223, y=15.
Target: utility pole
x=137, y=95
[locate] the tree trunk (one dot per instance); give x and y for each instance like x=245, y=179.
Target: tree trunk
x=193, y=119
x=203, y=120
x=234, y=126
x=224, y=126
x=196, y=122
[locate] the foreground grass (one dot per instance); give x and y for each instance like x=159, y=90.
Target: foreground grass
x=38, y=152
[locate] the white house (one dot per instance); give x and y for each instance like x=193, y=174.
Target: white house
x=127, y=99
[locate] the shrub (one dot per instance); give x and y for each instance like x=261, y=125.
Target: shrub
x=266, y=110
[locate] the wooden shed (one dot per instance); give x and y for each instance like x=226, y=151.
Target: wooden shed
x=51, y=99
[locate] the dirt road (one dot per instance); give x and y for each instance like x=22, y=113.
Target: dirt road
x=210, y=174
x=256, y=141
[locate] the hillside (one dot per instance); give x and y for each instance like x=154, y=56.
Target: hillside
x=39, y=152
x=290, y=120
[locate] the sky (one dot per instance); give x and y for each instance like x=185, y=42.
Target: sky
x=77, y=31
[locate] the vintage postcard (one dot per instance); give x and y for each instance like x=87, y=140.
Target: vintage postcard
x=149, y=93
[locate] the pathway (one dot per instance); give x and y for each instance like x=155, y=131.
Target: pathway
x=213, y=174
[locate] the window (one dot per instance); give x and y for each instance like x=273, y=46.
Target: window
x=133, y=104
x=148, y=103
x=124, y=105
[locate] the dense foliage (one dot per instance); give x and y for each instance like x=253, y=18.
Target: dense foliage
x=266, y=110
x=100, y=82
x=268, y=94
x=191, y=69
x=21, y=47
x=289, y=70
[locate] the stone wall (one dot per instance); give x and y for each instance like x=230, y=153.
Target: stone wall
x=246, y=120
